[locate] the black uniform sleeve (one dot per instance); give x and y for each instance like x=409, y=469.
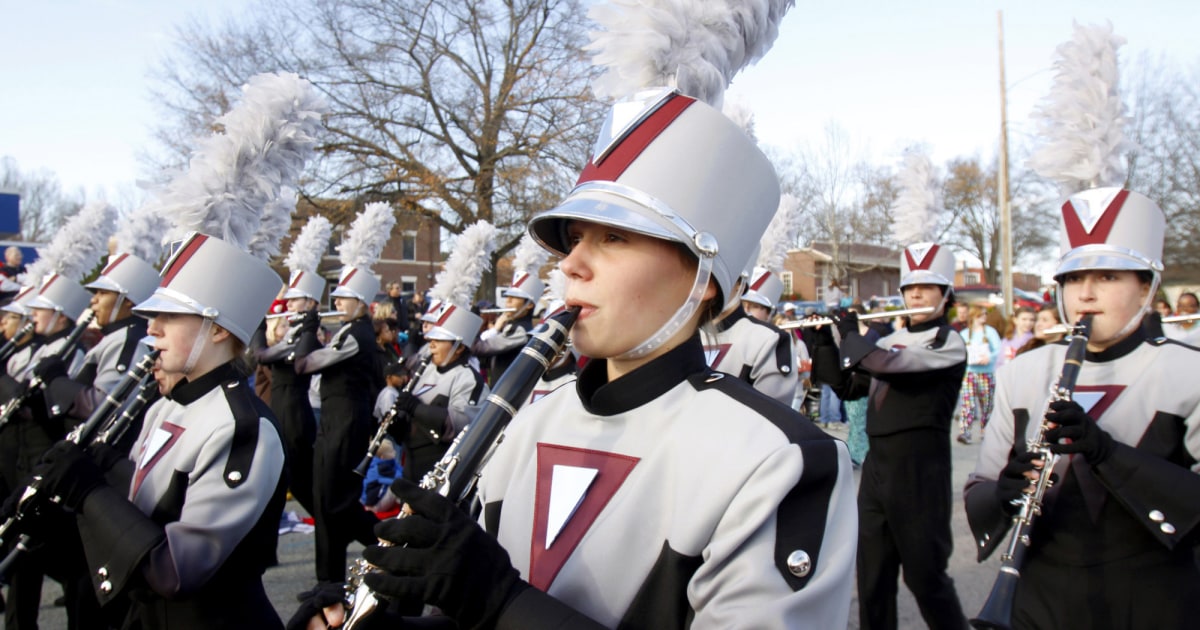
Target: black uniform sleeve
x=125, y=535
x=1162, y=495
x=533, y=608
x=986, y=517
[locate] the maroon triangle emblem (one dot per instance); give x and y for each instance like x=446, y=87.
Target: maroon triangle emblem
x=715, y=354
x=1096, y=399
x=610, y=472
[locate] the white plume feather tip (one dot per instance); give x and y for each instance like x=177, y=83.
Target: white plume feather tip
x=696, y=46
x=781, y=234
x=1082, y=118
x=309, y=247
x=234, y=176
x=916, y=212
x=529, y=256
x=78, y=246
x=556, y=285
x=276, y=223
x=141, y=232
x=469, y=259
x=367, y=235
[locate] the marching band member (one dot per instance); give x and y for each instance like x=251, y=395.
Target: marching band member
x=563, y=370
x=503, y=340
x=351, y=378
x=289, y=389
x=438, y=405
x=904, y=497
x=1114, y=544
x=592, y=495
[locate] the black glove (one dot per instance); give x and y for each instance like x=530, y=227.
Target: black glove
x=50, y=368
x=10, y=388
x=819, y=335
x=306, y=321
x=106, y=456
x=69, y=473
x=847, y=324
x=1012, y=482
x=1085, y=435
x=442, y=557
x=406, y=402
x=400, y=428
x=313, y=602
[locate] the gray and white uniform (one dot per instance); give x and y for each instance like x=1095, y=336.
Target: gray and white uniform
x=103, y=367
x=756, y=352
x=693, y=493
x=190, y=537
x=1122, y=532
x=448, y=395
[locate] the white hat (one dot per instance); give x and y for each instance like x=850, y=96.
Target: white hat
x=526, y=286
x=455, y=285
x=305, y=256
x=674, y=168
x=357, y=282
x=764, y=288
x=19, y=305
x=1111, y=228
x=128, y=275
x=61, y=294
x=926, y=263
x=305, y=284
x=195, y=281
x=360, y=248
x=453, y=323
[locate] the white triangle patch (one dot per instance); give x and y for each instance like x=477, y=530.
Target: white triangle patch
x=1089, y=214
x=568, y=486
x=154, y=443
x=710, y=355
x=919, y=252
x=1087, y=400
x=623, y=117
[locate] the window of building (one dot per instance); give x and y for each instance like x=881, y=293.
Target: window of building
x=971, y=277
x=408, y=246
x=786, y=278
x=408, y=284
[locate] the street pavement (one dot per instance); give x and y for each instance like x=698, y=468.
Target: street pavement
x=294, y=573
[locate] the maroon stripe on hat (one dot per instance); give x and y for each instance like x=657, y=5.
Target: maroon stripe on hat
x=113, y=264
x=181, y=260
x=627, y=151
x=520, y=280
x=49, y=281
x=1078, y=236
x=758, y=283
x=445, y=315
x=348, y=276
x=299, y=274
x=925, y=262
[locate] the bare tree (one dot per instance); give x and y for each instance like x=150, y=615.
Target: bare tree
x=44, y=205
x=1166, y=125
x=454, y=111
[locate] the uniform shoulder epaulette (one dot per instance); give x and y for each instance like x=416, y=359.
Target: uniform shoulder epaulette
x=245, y=432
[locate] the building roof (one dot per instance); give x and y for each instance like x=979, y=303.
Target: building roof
x=857, y=254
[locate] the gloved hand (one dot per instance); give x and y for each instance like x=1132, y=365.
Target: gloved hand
x=105, y=456
x=819, y=335
x=441, y=556
x=1013, y=482
x=306, y=321
x=68, y=473
x=314, y=601
x=847, y=324
x=406, y=403
x=400, y=428
x=1085, y=435
x=49, y=369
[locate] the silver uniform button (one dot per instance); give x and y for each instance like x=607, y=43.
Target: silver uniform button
x=846, y=362
x=235, y=476
x=785, y=369
x=799, y=563
x=106, y=587
x=102, y=572
x=1156, y=516
x=1167, y=528
x=120, y=367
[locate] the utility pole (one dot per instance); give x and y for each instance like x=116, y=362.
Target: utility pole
x=1006, y=249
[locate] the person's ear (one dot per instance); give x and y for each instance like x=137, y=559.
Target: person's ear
x=219, y=334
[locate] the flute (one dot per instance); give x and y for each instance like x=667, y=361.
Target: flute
x=1177, y=319
x=293, y=316
x=489, y=311
x=825, y=321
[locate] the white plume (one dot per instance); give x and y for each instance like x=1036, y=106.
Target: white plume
x=915, y=214
x=234, y=176
x=78, y=246
x=367, y=235
x=1083, y=119
x=276, y=223
x=141, y=233
x=695, y=45
x=556, y=285
x=470, y=257
x=309, y=246
x=781, y=234
x=529, y=256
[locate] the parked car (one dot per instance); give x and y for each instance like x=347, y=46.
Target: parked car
x=802, y=307
x=994, y=295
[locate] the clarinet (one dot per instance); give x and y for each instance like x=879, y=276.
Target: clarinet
x=35, y=384
x=10, y=347
x=386, y=422
x=88, y=433
x=457, y=473
x=997, y=610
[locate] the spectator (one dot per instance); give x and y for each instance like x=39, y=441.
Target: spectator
x=833, y=295
x=416, y=337
x=1047, y=328
x=979, y=384
x=1163, y=307
x=399, y=304
x=1018, y=333
x=396, y=375
x=13, y=262
x=385, y=468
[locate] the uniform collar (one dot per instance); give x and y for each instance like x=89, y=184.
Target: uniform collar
x=738, y=313
x=187, y=391
x=642, y=385
x=461, y=360
x=1119, y=349
x=127, y=322
x=929, y=325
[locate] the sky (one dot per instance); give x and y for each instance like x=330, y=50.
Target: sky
x=75, y=92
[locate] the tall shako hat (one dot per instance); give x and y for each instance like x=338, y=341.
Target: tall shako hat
x=668, y=163
x=75, y=250
x=305, y=257
x=19, y=305
x=220, y=202
x=926, y=263
x=527, y=264
x=360, y=249
x=454, y=288
x=916, y=212
x=765, y=286
x=1083, y=121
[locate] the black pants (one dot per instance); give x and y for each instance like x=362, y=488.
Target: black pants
x=339, y=518
x=904, y=503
